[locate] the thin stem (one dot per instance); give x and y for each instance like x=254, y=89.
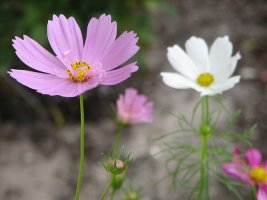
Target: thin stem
x=203, y=193
x=104, y=195
x=203, y=105
x=113, y=194
x=254, y=192
x=203, y=183
x=117, y=141
x=206, y=99
x=81, y=168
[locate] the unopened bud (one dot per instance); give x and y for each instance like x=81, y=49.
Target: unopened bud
x=206, y=130
x=115, y=166
x=119, y=164
x=117, y=181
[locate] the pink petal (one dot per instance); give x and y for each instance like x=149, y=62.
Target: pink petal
x=119, y=51
x=133, y=108
x=118, y=75
x=236, y=170
x=253, y=157
x=88, y=85
x=65, y=38
x=46, y=83
x=101, y=33
x=36, y=57
x=133, y=100
x=71, y=89
x=129, y=98
x=145, y=114
x=262, y=193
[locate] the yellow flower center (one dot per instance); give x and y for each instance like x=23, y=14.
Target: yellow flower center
x=79, y=72
x=205, y=79
x=258, y=174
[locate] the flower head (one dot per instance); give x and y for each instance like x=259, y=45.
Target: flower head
x=134, y=108
x=250, y=170
x=116, y=166
x=206, y=71
x=78, y=66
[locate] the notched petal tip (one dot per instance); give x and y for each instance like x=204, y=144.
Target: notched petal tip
x=226, y=37
x=195, y=38
x=17, y=39
x=105, y=16
x=134, y=68
x=237, y=78
x=55, y=17
x=237, y=56
x=172, y=48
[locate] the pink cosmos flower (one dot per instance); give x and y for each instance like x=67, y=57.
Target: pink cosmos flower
x=250, y=170
x=134, y=108
x=78, y=66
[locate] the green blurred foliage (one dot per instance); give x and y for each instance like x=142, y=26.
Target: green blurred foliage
x=29, y=17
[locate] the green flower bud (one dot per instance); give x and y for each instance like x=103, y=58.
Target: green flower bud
x=115, y=166
x=117, y=181
x=206, y=130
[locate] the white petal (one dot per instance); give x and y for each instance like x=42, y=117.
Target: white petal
x=226, y=85
x=197, y=50
x=209, y=92
x=181, y=62
x=220, y=54
x=206, y=91
x=229, y=70
x=233, y=64
x=176, y=81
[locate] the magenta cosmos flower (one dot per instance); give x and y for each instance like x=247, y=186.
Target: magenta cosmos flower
x=78, y=66
x=134, y=108
x=250, y=170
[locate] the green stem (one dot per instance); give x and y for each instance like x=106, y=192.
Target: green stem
x=203, y=186
x=206, y=99
x=112, y=194
x=203, y=193
x=254, y=192
x=117, y=141
x=104, y=195
x=81, y=168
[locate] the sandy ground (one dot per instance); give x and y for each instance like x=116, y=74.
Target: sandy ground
x=41, y=162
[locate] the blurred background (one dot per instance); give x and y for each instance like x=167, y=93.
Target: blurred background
x=39, y=135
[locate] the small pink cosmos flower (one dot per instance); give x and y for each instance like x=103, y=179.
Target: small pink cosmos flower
x=77, y=66
x=250, y=170
x=134, y=108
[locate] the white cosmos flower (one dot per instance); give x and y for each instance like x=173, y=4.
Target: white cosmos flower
x=206, y=71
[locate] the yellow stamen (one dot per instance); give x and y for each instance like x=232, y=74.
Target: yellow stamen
x=205, y=79
x=80, y=64
x=80, y=75
x=258, y=174
x=71, y=77
x=82, y=69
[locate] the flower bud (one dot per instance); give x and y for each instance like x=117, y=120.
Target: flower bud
x=206, y=130
x=117, y=181
x=116, y=166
